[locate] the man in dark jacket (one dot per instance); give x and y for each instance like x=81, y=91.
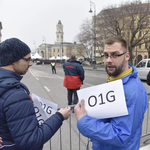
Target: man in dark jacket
x=19, y=127
x=74, y=76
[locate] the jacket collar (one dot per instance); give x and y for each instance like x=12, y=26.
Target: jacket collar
x=133, y=75
x=9, y=80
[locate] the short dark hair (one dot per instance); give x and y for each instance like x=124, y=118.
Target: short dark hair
x=73, y=56
x=112, y=40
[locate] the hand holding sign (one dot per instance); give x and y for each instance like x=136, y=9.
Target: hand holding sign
x=65, y=112
x=43, y=108
x=105, y=100
x=80, y=110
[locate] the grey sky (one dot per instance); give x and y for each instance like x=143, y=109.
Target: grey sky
x=30, y=20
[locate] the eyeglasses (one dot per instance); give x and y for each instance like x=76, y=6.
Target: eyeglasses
x=27, y=59
x=113, y=56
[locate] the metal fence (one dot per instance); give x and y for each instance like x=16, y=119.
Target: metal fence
x=70, y=145
x=69, y=138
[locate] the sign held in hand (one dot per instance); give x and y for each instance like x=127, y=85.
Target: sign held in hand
x=105, y=100
x=43, y=108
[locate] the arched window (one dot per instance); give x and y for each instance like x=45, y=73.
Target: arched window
x=145, y=57
x=139, y=58
x=42, y=54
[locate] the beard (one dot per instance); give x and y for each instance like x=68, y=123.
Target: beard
x=117, y=69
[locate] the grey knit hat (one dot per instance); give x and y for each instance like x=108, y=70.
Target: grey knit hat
x=11, y=50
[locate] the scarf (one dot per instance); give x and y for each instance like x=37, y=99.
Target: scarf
x=121, y=75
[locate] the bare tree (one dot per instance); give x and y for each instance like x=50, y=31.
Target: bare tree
x=147, y=45
x=130, y=20
x=80, y=49
x=85, y=36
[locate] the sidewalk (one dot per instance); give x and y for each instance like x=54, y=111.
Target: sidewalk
x=91, y=68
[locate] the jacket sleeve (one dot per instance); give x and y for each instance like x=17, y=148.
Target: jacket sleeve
x=81, y=72
x=116, y=131
x=111, y=133
x=23, y=124
x=64, y=67
x=148, y=78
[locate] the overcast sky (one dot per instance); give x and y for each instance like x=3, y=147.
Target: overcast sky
x=31, y=20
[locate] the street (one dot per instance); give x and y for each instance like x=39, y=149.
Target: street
x=43, y=83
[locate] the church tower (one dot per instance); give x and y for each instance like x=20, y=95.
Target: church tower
x=59, y=32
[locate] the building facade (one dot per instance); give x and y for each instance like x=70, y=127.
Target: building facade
x=129, y=21
x=61, y=48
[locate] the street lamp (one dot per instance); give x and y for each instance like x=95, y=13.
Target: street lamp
x=93, y=4
x=35, y=45
x=44, y=39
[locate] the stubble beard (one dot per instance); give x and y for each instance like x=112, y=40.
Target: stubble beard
x=117, y=71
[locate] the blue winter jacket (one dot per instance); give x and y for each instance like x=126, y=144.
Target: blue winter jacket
x=19, y=127
x=120, y=133
x=74, y=74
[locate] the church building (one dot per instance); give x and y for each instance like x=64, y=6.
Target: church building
x=61, y=48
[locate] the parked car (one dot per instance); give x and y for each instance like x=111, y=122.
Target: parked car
x=143, y=67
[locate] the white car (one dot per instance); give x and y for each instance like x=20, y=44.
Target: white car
x=143, y=67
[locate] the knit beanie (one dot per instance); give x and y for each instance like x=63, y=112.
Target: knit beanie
x=11, y=50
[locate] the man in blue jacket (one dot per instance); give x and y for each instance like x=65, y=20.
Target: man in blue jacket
x=74, y=76
x=118, y=133
x=19, y=127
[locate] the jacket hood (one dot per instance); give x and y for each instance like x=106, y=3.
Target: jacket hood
x=8, y=80
x=73, y=60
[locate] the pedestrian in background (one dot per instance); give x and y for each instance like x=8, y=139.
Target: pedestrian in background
x=124, y=132
x=19, y=127
x=74, y=76
x=53, y=67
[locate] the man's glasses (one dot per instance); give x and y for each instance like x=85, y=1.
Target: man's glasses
x=113, y=56
x=27, y=59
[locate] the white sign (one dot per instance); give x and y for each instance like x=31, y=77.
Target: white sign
x=43, y=108
x=105, y=100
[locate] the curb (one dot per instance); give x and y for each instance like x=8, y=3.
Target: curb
x=91, y=69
